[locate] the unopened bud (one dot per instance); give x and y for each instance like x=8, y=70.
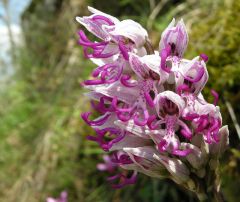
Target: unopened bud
x=217, y=149
x=176, y=167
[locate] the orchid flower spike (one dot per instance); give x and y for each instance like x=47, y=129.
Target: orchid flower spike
x=153, y=118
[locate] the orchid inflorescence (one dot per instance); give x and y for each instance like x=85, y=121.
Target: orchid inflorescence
x=153, y=117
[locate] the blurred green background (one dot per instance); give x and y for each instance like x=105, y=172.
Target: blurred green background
x=43, y=149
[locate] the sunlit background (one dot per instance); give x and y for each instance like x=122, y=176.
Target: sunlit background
x=43, y=149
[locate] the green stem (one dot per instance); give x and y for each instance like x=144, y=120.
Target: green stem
x=209, y=186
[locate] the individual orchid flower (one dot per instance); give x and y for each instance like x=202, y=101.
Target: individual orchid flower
x=193, y=77
x=147, y=68
x=209, y=124
x=169, y=108
x=119, y=37
x=95, y=22
x=138, y=111
x=173, y=43
x=121, y=102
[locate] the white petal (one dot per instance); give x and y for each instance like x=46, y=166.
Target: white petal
x=125, y=94
x=140, y=68
x=176, y=35
x=176, y=167
x=143, y=152
x=95, y=11
x=140, y=131
x=131, y=30
x=191, y=68
x=217, y=149
x=169, y=27
x=130, y=141
x=196, y=158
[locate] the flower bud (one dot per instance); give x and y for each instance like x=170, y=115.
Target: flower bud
x=143, y=158
x=179, y=171
x=217, y=149
x=176, y=37
x=129, y=30
x=196, y=157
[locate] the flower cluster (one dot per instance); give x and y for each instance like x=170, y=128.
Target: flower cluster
x=153, y=117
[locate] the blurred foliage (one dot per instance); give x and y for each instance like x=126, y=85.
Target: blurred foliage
x=218, y=35
x=42, y=139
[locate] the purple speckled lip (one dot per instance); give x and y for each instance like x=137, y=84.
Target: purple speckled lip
x=151, y=109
